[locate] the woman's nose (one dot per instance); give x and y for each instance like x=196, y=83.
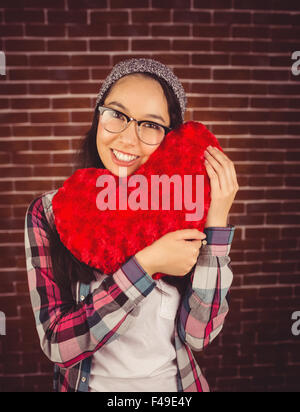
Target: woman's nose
x=130, y=134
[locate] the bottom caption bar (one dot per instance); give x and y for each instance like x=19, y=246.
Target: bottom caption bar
x=142, y=401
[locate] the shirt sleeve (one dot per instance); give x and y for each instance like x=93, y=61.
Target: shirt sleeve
x=204, y=305
x=70, y=331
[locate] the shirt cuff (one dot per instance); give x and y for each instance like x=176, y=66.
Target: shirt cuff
x=138, y=277
x=218, y=240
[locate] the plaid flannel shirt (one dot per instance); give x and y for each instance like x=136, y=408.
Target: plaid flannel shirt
x=73, y=324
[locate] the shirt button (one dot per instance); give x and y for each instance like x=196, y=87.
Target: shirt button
x=83, y=379
x=82, y=298
x=204, y=242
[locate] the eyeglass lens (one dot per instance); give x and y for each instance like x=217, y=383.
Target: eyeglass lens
x=115, y=122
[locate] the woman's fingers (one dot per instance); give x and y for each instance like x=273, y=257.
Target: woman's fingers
x=190, y=234
x=215, y=170
x=220, y=170
x=229, y=167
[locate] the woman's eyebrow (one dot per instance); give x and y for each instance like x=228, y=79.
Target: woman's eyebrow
x=155, y=116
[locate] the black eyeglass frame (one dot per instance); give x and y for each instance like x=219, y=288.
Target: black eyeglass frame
x=129, y=119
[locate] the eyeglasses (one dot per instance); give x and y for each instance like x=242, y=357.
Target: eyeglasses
x=115, y=121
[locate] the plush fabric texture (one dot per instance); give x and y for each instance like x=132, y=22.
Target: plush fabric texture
x=106, y=239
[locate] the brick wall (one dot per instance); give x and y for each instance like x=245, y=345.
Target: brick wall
x=234, y=59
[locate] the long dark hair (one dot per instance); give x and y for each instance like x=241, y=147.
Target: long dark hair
x=66, y=267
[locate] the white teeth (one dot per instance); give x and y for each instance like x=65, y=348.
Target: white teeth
x=124, y=157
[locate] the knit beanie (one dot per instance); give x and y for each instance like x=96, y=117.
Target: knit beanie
x=142, y=65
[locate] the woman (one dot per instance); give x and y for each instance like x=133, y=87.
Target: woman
x=127, y=332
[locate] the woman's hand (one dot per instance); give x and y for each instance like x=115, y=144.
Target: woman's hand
x=224, y=186
x=172, y=254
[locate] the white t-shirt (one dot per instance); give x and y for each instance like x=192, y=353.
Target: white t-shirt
x=143, y=359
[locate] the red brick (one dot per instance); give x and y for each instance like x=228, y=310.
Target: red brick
x=66, y=74
x=30, y=103
x=231, y=74
x=283, y=219
x=192, y=73
x=11, y=30
x=231, y=45
x=89, y=60
x=99, y=73
x=54, y=30
x=255, y=60
x=21, y=16
x=197, y=45
x=4, y=103
x=275, y=103
x=229, y=101
x=217, y=30
x=29, y=158
x=25, y=131
x=55, y=144
x=86, y=4
x=213, y=4
x=167, y=30
x=265, y=181
x=25, y=45
x=108, y=45
x=285, y=33
x=170, y=4
x=109, y=17
x=69, y=16
x=191, y=17
x=29, y=74
x=36, y=186
x=49, y=60
x=267, y=4
x=10, y=117
x=85, y=88
x=84, y=30
x=5, y=186
x=32, y=4
x=52, y=171
x=49, y=117
x=231, y=17
x=82, y=117
x=60, y=130
x=151, y=44
x=13, y=145
x=63, y=158
x=211, y=59
x=66, y=45
x=199, y=101
x=172, y=59
x=251, y=31
x=17, y=60
x=48, y=88
x=62, y=103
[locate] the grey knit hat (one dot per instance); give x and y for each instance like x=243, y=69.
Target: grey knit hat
x=149, y=66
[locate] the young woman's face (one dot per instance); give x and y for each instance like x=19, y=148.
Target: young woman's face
x=138, y=97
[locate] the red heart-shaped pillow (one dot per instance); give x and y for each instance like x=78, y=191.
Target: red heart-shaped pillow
x=106, y=239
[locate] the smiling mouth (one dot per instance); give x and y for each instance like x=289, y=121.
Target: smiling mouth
x=125, y=153
x=122, y=158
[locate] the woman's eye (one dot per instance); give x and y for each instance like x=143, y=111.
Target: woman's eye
x=151, y=125
x=117, y=115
